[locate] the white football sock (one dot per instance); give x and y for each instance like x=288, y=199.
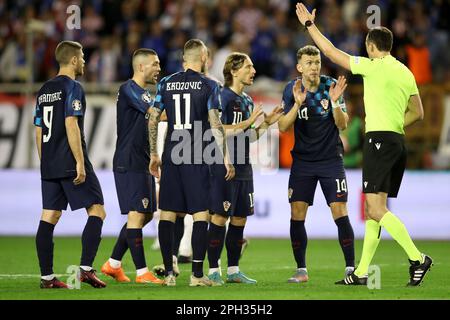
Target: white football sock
x=116, y=264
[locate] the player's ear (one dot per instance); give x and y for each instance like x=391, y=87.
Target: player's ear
x=299, y=68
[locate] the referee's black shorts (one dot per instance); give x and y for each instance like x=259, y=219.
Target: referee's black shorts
x=384, y=162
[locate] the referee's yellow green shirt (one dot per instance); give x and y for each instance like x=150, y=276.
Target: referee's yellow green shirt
x=388, y=84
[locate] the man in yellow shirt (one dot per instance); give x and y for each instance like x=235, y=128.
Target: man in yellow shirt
x=392, y=102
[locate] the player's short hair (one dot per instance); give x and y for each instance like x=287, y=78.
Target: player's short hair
x=66, y=50
x=144, y=52
x=234, y=61
x=193, y=44
x=381, y=37
x=307, y=50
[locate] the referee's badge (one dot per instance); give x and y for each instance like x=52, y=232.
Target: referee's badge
x=226, y=205
x=290, y=191
x=145, y=203
x=76, y=105
x=324, y=103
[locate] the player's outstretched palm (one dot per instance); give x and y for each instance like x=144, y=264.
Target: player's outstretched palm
x=303, y=14
x=257, y=112
x=274, y=115
x=155, y=165
x=299, y=92
x=338, y=88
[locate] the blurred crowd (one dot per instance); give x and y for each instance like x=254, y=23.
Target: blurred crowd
x=268, y=30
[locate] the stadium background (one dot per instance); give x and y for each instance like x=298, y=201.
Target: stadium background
x=269, y=32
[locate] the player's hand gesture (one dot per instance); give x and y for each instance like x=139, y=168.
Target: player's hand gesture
x=337, y=89
x=257, y=112
x=299, y=92
x=303, y=14
x=81, y=174
x=274, y=115
x=155, y=165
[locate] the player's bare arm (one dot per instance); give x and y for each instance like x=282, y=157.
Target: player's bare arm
x=74, y=138
x=39, y=140
x=269, y=119
x=155, y=161
x=336, y=91
x=235, y=129
x=219, y=135
x=414, y=111
x=286, y=121
x=329, y=50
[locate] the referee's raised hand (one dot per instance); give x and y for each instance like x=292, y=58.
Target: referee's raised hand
x=303, y=14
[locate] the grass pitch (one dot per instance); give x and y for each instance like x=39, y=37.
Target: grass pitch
x=270, y=261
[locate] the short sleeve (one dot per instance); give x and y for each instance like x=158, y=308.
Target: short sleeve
x=37, y=116
x=140, y=101
x=75, y=101
x=288, y=100
x=414, y=89
x=214, y=99
x=158, y=103
x=361, y=65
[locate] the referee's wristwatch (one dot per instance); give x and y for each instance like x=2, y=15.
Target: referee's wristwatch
x=308, y=23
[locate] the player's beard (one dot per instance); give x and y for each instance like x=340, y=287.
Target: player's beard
x=79, y=70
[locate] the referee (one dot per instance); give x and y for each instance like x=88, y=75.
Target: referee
x=392, y=102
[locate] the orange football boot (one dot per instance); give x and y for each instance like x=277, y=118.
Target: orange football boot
x=148, y=277
x=116, y=273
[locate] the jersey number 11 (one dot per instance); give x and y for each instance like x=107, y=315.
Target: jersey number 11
x=187, y=111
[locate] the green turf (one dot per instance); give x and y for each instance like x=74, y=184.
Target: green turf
x=269, y=261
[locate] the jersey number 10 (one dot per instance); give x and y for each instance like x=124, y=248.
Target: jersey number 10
x=187, y=111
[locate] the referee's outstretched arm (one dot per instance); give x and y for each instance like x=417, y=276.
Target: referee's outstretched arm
x=328, y=49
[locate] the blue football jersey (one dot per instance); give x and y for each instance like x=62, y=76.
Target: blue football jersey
x=59, y=98
x=132, y=146
x=316, y=135
x=187, y=97
x=235, y=109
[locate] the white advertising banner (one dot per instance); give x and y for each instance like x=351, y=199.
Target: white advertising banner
x=423, y=205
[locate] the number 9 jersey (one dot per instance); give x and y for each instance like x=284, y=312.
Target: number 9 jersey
x=59, y=98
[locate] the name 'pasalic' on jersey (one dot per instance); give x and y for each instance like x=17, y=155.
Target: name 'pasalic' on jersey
x=316, y=135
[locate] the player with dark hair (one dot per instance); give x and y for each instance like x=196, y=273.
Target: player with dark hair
x=67, y=176
x=190, y=99
x=392, y=102
x=134, y=183
x=314, y=104
x=234, y=200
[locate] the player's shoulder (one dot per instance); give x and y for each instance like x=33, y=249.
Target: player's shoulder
x=170, y=76
x=290, y=84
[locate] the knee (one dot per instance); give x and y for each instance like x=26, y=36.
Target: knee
x=298, y=210
x=51, y=216
x=238, y=221
x=136, y=220
x=219, y=220
x=338, y=209
x=97, y=210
